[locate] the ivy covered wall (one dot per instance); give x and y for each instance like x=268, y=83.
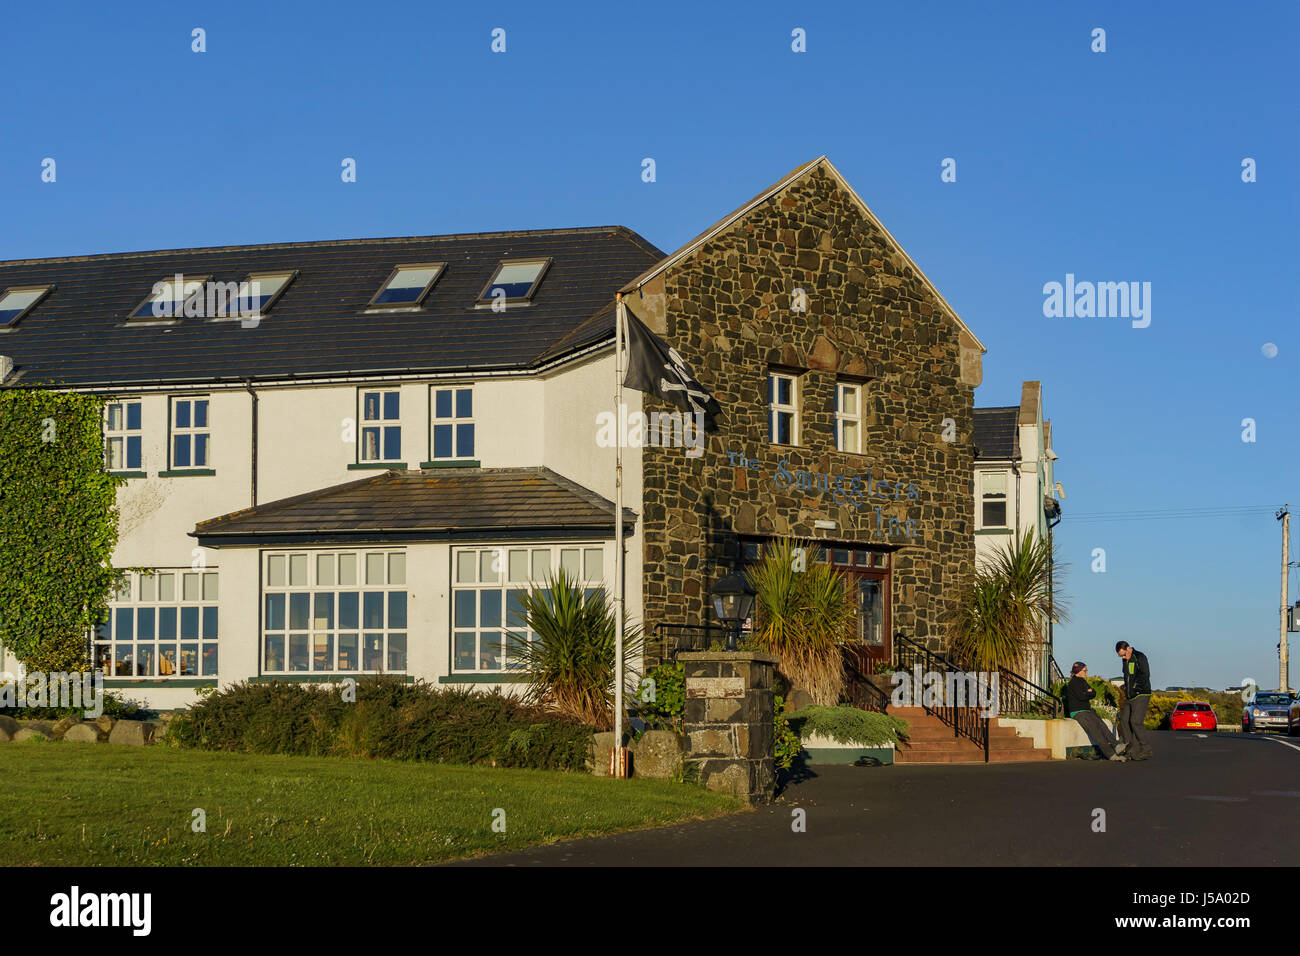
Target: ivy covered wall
x=58, y=526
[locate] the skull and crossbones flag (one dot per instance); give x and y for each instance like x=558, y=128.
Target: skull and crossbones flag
x=656, y=368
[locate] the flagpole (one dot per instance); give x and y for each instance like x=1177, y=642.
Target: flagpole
x=618, y=534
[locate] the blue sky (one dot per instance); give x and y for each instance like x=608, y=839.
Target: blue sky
x=1115, y=166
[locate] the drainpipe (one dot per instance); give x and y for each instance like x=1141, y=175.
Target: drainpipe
x=248, y=384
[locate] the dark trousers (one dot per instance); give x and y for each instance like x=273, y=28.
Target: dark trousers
x=1131, y=722
x=1097, y=732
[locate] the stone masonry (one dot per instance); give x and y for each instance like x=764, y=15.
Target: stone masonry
x=728, y=308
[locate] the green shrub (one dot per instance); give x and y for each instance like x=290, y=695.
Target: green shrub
x=849, y=725
x=1107, y=694
x=390, y=719
x=119, y=708
x=668, y=708
x=787, y=742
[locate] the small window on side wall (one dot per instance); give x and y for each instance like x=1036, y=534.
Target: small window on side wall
x=993, y=499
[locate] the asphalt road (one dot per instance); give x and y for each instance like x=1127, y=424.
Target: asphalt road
x=1219, y=800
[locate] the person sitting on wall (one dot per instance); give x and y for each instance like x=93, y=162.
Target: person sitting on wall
x=1078, y=704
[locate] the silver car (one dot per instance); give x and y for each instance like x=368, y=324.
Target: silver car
x=1270, y=710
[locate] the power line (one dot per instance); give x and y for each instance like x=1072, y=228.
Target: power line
x=1159, y=514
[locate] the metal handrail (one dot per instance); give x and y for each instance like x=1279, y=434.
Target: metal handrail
x=1054, y=674
x=965, y=722
x=859, y=689
x=1017, y=694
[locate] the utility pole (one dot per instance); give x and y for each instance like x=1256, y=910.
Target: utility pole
x=1284, y=681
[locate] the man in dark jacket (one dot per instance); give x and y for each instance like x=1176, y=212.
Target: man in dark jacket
x=1078, y=704
x=1137, y=695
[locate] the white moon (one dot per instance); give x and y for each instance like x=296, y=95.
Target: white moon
x=1269, y=350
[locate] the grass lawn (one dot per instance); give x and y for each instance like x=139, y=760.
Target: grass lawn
x=85, y=805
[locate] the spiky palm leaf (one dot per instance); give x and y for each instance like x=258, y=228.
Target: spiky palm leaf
x=570, y=666
x=804, y=618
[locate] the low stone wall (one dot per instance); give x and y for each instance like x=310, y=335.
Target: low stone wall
x=1062, y=736
x=656, y=756
x=101, y=730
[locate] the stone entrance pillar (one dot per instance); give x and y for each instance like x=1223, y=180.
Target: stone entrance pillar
x=728, y=721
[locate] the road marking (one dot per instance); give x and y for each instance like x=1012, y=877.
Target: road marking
x=1219, y=799
x=1202, y=736
x=1275, y=793
x=1282, y=742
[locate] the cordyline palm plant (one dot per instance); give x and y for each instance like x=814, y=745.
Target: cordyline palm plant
x=570, y=666
x=1003, y=614
x=804, y=617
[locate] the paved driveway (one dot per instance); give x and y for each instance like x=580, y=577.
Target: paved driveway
x=1217, y=800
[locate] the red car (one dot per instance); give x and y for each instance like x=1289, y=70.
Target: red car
x=1193, y=715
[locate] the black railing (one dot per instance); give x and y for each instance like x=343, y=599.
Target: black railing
x=1020, y=695
x=859, y=689
x=672, y=638
x=1054, y=675
x=968, y=721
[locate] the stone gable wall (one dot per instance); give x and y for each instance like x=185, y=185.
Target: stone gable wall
x=727, y=310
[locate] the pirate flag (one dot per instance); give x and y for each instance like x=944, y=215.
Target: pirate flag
x=656, y=368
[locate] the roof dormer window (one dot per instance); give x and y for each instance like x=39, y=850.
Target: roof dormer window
x=17, y=301
x=514, y=282
x=259, y=291
x=407, y=285
x=168, y=299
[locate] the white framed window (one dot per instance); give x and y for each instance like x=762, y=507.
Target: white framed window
x=453, y=423
x=334, y=612
x=487, y=617
x=993, y=499
x=161, y=624
x=848, y=417
x=191, y=444
x=783, y=409
x=123, y=436
x=381, y=426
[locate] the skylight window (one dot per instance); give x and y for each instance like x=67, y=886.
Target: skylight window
x=259, y=291
x=18, y=301
x=408, y=285
x=168, y=298
x=515, y=280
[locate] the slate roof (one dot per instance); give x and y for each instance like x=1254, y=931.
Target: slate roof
x=430, y=505
x=319, y=327
x=997, y=433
